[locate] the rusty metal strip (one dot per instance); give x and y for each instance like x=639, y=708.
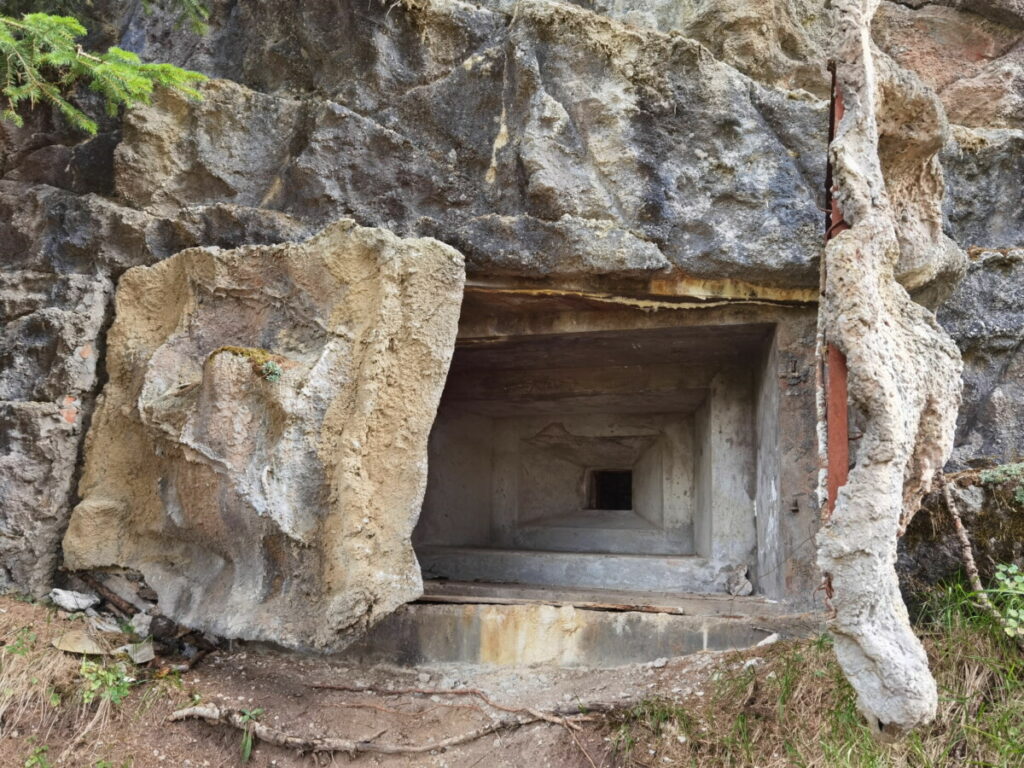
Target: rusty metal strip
x=835, y=375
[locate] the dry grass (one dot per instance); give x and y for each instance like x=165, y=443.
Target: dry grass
x=793, y=707
x=35, y=681
x=784, y=705
x=51, y=697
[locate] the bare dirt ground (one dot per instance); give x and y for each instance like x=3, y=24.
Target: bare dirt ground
x=44, y=716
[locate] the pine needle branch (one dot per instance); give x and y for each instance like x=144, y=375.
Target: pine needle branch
x=41, y=63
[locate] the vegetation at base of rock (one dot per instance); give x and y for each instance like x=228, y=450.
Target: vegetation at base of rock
x=38, y=758
x=1007, y=595
x=789, y=705
x=248, y=737
x=41, y=62
x=105, y=682
x=1011, y=476
x=58, y=699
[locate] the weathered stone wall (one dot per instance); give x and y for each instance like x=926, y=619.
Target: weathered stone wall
x=561, y=142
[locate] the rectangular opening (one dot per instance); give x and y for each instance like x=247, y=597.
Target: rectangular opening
x=610, y=489
x=615, y=459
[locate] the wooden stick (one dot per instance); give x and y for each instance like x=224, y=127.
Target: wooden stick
x=116, y=602
x=972, y=568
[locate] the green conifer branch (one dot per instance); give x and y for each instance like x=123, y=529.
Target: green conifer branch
x=41, y=62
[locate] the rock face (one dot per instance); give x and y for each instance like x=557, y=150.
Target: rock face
x=259, y=452
x=931, y=551
x=579, y=146
x=991, y=423
x=587, y=142
x=49, y=346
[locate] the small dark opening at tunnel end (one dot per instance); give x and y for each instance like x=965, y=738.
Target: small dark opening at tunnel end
x=610, y=489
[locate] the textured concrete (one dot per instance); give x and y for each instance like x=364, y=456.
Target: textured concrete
x=547, y=635
x=674, y=574
x=538, y=413
x=904, y=380
x=259, y=450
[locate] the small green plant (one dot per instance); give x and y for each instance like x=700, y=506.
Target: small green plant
x=271, y=371
x=24, y=641
x=1008, y=597
x=38, y=758
x=624, y=740
x=249, y=719
x=1002, y=475
x=105, y=682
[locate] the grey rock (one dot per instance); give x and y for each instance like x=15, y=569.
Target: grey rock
x=72, y=601
x=679, y=159
x=139, y=653
x=984, y=205
x=985, y=316
x=142, y=623
x=546, y=140
x=1005, y=11
x=738, y=582
x=38, y=458
x=48, y=337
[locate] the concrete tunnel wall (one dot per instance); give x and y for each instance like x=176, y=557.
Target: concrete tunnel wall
x=515, y=437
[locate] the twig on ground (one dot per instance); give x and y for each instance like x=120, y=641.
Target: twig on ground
x=972, y=568
x=556, y=717
x=319, y=744
x=581, y=748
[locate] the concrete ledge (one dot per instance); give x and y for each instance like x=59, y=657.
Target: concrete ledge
x=567, y=538
x=725, y=606
x=548, y=635
x=661, y=573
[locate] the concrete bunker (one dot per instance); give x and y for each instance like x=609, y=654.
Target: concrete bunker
x=627, y=458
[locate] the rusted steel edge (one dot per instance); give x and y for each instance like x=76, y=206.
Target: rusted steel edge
x=834, y=363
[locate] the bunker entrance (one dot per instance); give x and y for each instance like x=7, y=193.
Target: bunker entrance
x=610, y=459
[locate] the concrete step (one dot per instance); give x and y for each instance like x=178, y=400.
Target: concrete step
x=567, y=636
x=595, y=539
x=656, y=573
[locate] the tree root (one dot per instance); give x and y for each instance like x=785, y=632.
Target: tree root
x=972, y=568
x=569, y=719
x=558, y=717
